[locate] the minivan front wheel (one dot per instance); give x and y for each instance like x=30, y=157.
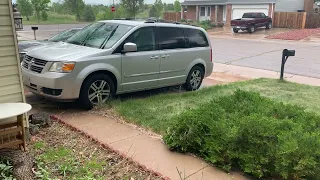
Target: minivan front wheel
x=194, y=79
x=96, y=90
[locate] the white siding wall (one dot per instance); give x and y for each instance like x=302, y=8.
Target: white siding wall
x=11, y=89
x=289, y=5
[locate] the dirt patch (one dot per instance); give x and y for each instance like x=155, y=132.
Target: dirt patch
x=295, y=35
x=65, y=154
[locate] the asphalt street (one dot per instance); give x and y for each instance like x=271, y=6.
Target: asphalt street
x=267, y=55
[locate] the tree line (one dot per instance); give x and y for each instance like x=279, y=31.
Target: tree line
x=87, y=12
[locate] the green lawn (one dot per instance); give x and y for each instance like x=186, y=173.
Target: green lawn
x=53, y=18
x=155, y=112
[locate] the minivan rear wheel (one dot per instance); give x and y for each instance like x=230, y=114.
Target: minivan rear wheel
x=194, y=79
x=97, y=89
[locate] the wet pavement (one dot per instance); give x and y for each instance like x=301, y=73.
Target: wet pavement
x=267, y=55
x=259, y=34
x=45, y=31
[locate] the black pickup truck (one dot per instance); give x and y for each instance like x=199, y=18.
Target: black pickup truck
x=251, y=21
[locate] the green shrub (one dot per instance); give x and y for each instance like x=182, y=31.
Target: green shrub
x=6, y=169
x=262, y=137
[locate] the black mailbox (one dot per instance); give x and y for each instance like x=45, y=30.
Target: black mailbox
x=285, y=54
x=34, y=28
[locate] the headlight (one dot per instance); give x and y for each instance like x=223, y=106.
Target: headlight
x=62, y=67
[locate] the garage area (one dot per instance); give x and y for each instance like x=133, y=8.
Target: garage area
x=239, y=10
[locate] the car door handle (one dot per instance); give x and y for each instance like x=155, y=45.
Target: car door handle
x=154, y=57
x=165, y=56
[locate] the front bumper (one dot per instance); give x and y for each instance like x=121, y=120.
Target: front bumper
x=240, y=27
x=57, y=86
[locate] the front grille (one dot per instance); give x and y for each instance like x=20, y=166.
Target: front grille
x=33, y=64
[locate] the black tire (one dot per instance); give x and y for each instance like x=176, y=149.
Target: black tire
x=269, y=25
x=251, y=29
x=189, y=86
x=235, y=30
x=99, y=95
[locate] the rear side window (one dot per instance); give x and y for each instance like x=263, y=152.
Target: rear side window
x=171, y=38
x=196, y=38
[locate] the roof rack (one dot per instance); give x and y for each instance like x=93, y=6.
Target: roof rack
x=124, y=19
x=154, y=20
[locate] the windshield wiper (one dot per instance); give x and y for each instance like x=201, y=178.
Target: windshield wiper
x=107, y=39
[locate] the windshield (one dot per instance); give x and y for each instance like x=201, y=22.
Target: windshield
x=249, y=15
x=99, y=35
x=64, y=35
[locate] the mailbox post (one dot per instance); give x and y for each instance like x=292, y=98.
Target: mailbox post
x=34, y=31
x=285, y=55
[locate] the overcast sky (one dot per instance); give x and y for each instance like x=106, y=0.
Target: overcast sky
x=107, y=2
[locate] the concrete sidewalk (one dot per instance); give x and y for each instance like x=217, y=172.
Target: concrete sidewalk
x=251, y=73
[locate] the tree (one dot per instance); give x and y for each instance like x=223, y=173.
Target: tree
x=159, y=6
x=120, y=11
x=153, y=11
x=39, y=6
x=44, y=15
x=168, y=7
x=132, y=6
x=25, y=8
x=177, y=6
x=88, y=14
x=76, y=7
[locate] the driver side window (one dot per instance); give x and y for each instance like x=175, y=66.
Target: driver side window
x=144, y=38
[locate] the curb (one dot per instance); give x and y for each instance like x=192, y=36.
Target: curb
x=106, y=146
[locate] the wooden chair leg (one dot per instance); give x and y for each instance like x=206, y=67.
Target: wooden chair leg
x=20, y=123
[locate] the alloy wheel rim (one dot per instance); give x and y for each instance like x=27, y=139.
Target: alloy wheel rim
x=195, y=79
x=99, y=92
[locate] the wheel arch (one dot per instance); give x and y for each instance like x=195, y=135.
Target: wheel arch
x=197, y=62
x=109, y=70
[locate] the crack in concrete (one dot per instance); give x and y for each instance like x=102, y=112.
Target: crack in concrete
x=125, y=138
x=230, y=62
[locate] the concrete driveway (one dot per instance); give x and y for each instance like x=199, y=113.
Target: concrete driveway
x=259, y=34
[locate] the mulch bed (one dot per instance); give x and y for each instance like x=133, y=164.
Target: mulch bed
x=295, y=35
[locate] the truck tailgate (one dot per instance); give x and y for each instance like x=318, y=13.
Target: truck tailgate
x=239, y=22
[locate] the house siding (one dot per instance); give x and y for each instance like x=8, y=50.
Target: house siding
x=289, y=5
x=11, y=89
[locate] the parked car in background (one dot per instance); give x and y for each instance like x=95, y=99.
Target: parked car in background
x=250, y=21
x=118, y=56
x=24, y=46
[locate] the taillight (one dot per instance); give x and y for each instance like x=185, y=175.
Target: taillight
x=211, y=55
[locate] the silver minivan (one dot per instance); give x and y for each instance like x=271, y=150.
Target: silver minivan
x=118, y=56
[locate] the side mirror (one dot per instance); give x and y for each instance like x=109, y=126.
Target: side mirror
x=129, y=47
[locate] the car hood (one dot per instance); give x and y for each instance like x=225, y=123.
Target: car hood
x=25, y=45
x=62, y=51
